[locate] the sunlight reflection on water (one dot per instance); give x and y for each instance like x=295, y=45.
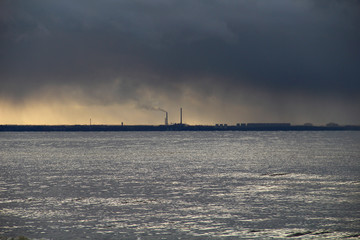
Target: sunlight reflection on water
x=180, y=185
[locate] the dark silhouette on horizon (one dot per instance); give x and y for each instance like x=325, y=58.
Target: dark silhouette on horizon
x=179, y=127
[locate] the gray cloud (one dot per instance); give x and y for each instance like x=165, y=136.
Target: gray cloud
x=115, y=49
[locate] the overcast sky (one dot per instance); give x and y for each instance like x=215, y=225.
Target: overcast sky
x=223, y=61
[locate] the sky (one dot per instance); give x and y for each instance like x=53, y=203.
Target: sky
x=222, y=61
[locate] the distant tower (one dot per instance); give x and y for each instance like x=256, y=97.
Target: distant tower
x=166, y=119
x=180, y=115
x=90, y=121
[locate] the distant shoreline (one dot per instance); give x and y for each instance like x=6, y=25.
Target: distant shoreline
x=173, y=127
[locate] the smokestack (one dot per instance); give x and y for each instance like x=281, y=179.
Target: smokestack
x=180, y=115
x=166, y=119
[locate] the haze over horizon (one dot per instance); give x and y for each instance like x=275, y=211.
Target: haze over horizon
x=222, y=61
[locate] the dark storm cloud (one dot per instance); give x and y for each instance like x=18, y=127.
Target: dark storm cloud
x=279, y=46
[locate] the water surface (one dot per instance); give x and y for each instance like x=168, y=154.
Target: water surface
x=189, y=185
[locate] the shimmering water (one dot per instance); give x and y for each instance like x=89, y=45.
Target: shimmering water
x=187, y=185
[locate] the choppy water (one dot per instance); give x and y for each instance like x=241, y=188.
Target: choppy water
x=188, y=185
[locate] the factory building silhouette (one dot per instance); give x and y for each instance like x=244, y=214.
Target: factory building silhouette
x=181, y=126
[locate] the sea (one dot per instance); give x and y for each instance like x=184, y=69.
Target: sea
x=180, y=185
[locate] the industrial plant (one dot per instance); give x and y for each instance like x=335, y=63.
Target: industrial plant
x=167, y=118
x=182, y=127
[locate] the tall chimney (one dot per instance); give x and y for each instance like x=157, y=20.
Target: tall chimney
x=166, y=119
x=180, y=115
